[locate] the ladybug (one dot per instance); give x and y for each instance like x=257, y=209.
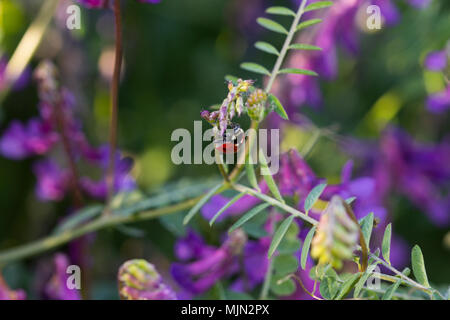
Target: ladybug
x=231, y=139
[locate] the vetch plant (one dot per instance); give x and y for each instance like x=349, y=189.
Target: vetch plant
x=289, y=229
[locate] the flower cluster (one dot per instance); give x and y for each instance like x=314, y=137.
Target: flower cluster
x=55, y=129
x=233, y=104
x=139, y=280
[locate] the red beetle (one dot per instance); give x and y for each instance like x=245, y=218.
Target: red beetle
x=231, y=139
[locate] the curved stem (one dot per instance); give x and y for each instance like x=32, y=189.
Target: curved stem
x=110, y=177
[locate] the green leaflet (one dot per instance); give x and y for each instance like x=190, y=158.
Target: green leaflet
x=313, y=196
x=391, y=290
x=307, y=23
x=266, y=47
x=386, y=244
x=250, y=214
x=78, y=218
x=306, y=246
x=225, y=207
x=279, y=234
x=298, y=71
x=303, y=46
x=278, y=107
x=284, y=288
x=359, y=285
x=271, y=25
x=200, y=204
x=285, y=264
x=265, y=171
x=366, y=224
x=347, y=286
x=254, y=67
x=282, y=11
x=418, y=266
x=318, y=5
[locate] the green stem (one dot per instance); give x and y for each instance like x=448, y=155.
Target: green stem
x=52, y=242
x=286, y=45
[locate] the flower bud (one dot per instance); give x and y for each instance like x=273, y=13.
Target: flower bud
x=139, y=280
x=336, y=236
x=255, y=104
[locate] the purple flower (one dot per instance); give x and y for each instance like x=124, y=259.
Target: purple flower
x=7, y=294
x=436, y=60
x=418, y=171
x=57, y=287
x=139, y=280
x=123, y=181
x=105, y=3
x=198, y=276
x=52, y=180
x=20, y=141
x=192, y=247
x=439, y=102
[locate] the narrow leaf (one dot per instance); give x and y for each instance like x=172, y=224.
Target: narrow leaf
x=272, y=25
x=391, y=290
x=304, y=46
x=347, y=286
x=386, y=244
x=278, y=107
x=298, y=71
x=307, y=23
x=313, y=196
x=306, y=245
x=200, y=204
x=78, y=218
x=366, y=224
x=418, y=266
x=282, y=11
x=279, y=234
x=253, y=212
x=266, y=47
x=359, y=285
x=318, y=5
x=285, y=264
x=268, y=177
x=254, y=67
x=225, y=207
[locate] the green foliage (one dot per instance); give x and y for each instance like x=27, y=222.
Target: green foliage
x=306, y=246
x=268, y=177
x=254, y=67
x=272, y=25
x=366, y=224
x=266, y=47
x=279, y=234
x=283, y=11
x=200, y=203
x=318, y=5
x=307, y=23
x=418, y=266
x=278, y=107
x=225, y=207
